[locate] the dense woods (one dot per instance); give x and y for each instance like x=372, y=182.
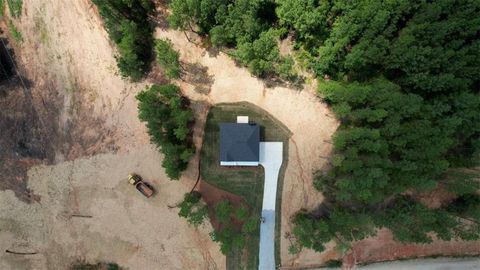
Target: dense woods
x=403, y=77
x=405, y=87
x=193, y=209
x=168, y=118
x=228, y=234
x=242, y=24
x=127, y=24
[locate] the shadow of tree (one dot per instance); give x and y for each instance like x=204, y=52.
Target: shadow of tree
x=159, y=17
x=198, y=76
x=274, y=81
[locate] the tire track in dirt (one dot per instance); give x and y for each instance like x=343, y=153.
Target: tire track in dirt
x=302, y=172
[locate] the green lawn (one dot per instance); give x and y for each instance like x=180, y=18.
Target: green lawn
x=247, y=183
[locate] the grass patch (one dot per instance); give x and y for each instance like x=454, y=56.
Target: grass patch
x=15, y=7
x=247, y=183
x=42, y=30
x=2, y=5
x=16, y=35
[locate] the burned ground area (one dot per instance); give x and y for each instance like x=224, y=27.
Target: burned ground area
x=37, y=125
x=25, y=138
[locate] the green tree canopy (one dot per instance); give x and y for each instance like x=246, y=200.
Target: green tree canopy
x=168, y=119
x=168, y=58
x=128, y=26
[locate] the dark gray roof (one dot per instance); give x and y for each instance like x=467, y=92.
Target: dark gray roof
x=239, y=142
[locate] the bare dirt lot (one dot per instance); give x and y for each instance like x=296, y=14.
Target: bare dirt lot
x=75, y=89
x=384, y=248
x=124, y=227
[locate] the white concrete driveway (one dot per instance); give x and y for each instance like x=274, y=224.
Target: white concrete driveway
x=271, y=156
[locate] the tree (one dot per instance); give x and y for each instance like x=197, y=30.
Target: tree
x=168, y=58
x=241, y=213
x=461, y=181
x=404, y=84
x=167, y=117
x=186, y=15
x=226, y=238
x=192, y=209
x=127, y=25
x=467, y=209
x=223, y=210
x=311, y=233
x=412, y=222
x=250, y=225
x=129, y=61
x=240, y=24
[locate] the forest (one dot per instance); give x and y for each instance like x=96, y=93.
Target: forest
x=129, y=28
x=402, y=77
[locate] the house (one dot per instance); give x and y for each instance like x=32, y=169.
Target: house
x=240, y=146
x=239, y=143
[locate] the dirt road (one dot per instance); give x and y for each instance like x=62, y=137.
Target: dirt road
x=427, y=264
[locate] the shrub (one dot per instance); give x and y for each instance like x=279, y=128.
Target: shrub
x=98, y=266
x=192, y=209
x=223, y=210
x=241, y=213
x=16, y=35
x=333, y=263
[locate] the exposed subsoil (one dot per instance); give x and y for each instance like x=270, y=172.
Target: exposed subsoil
x=384, y=248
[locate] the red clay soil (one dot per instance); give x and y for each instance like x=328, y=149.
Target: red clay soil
x=213, y=195
x=384, y=248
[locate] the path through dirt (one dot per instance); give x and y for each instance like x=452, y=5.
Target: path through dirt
x=384, y=248
x=68, y=57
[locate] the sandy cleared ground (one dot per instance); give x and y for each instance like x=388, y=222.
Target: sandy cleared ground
x=70, y=44
x=67, y=56
x=125, y=227
x=384, y=248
